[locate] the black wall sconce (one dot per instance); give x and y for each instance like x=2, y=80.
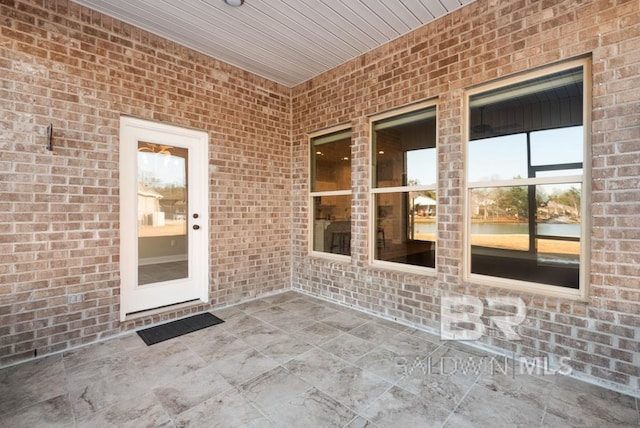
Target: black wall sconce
x=49, y=137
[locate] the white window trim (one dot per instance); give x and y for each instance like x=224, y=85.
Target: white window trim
x=373, y=229
x=582, y=292
x=310, y=202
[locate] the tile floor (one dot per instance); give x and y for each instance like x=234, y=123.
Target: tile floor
x=149, y=274
x=290, y=360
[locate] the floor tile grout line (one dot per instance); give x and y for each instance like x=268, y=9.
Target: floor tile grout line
x=389, y=388
x=164, y=409
x=391, y=384
x=255, y=405
x=457, y=406
x=67, y=387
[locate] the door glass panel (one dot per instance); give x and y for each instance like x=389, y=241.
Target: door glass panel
x=162, y=213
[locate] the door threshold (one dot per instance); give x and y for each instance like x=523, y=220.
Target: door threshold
x=162, y=309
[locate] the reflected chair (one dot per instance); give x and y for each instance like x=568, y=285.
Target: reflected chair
x=340, y=240
x=381, y=241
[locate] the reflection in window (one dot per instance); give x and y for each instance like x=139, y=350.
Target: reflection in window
x=557, y=151
x=331, y=192
x=330, y=162
x=513, y=158
x=547, y=250
x=406, y=227
x=332, y=224
x=533, y=131
x=405, y=175
x=162, y=213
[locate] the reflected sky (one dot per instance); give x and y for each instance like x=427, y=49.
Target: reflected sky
x=421, y=167
x=161, y=169
x=505, y=157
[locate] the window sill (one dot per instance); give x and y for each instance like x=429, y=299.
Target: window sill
x=330, y=256
x=403, y=268
x=529, y=287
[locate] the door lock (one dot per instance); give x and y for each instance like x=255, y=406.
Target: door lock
x=196, y=227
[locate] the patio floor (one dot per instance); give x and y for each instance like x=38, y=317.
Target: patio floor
x=290, y=360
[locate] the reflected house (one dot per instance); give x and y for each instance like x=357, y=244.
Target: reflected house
x=554, y=210
x=149, y=213
x=424, y=206
x=174, y=203
x=483, y=207
x=180, y=210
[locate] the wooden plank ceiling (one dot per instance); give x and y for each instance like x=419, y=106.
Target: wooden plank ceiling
x=287, y=41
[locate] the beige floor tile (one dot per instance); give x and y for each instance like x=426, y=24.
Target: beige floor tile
x=580, y=404
x=286, y=348
x=212, y=345
x=384, y=363
x=228, y=410
x=191, y=389
x=374, y=332
x=274, y=387
x=348, y=347
x=318, y=333
x=483, y=407
x=353, y=387
x=97, y=395
x=311, y=409
x=315, y=365
x=144, y=411
x=399, y=408
x=54, y=412
x=239, y=368
x=30, y=383
x=292, y=360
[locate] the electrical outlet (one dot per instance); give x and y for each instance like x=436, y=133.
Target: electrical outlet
x=75, y=298
x=173, y=242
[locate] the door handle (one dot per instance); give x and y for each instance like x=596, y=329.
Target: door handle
x=196, y=227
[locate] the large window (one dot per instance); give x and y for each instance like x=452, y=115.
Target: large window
x=526, y=181
x=331, y=192
x=404, y=169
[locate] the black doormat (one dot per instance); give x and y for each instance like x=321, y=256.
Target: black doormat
x=160, y=333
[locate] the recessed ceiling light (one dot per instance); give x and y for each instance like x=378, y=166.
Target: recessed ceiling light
x=234, y=3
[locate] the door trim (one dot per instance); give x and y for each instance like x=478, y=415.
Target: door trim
x=134, y=129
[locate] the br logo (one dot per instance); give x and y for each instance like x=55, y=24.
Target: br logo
x=460, y=316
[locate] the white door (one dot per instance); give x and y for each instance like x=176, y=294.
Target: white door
x=163, y=215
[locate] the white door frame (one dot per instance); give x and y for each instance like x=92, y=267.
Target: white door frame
x=134, y=298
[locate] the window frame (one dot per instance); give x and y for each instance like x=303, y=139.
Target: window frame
x=373, y=191
x=313, y=194
x=581, y=293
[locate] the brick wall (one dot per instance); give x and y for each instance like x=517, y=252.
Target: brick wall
x=79, y=70
x=476, y=44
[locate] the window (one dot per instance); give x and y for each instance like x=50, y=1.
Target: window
x=404, y=169
x=331, y=192
x=526, y=181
